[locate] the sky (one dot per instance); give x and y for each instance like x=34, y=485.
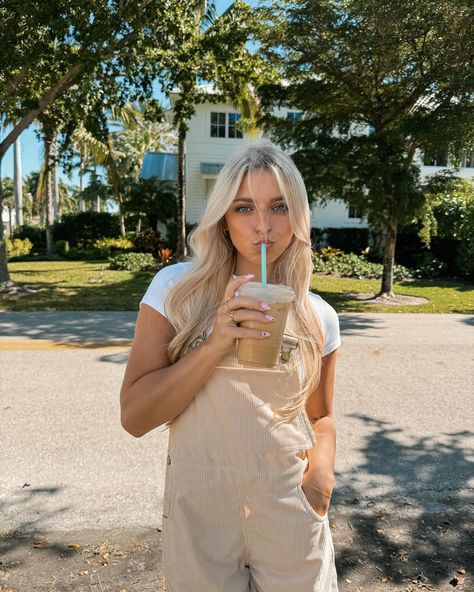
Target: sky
x=31, y=148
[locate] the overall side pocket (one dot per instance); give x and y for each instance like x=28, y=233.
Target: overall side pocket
x=308, y=506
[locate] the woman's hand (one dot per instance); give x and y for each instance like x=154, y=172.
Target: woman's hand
x=223, y=336
x=318, y=486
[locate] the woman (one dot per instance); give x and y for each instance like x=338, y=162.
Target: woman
x=250, y=465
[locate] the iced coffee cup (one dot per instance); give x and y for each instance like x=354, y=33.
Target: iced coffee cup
x=265, y=352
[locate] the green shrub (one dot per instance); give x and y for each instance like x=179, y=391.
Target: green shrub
x=134, y=262
x=78, y=254
x=149, y=241
x=107, y=246
x=18, y=247
x=429, y=266
x=61, y=247
x=352, y=265
x=171, y=241
x=347, y=239
x=83, y=228
x=35, y=233
x=450, y=215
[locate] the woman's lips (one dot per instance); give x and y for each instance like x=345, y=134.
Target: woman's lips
x=269, y=245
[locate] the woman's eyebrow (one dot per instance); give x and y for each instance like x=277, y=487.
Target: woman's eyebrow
x=250, y=200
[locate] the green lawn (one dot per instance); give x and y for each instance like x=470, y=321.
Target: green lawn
x=81, y=285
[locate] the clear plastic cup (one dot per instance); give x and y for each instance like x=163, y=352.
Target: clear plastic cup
x=265, y=351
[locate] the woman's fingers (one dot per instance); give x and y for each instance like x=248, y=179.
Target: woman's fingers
x=235, y=284
x=226, y=330
x=245, y=314
x=233, y=302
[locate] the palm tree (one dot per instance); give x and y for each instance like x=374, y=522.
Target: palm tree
x=8, y=200
x=18, y=182
x=122, y=153
x=185, y=69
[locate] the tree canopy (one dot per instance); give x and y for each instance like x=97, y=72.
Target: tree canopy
x=100, y=49
x=375, y=81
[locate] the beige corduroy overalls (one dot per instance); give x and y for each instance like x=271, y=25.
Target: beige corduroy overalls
x=235, y=518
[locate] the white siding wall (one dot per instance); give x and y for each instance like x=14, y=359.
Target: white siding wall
x=200, y=147
x=334, y=215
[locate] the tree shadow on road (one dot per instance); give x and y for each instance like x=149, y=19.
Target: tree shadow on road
x=411, y=522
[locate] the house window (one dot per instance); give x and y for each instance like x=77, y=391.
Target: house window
x=293, y=115
x=439, y=158
x=233, y=131
x=224, y=125
x=217, y=125
x=354, y=212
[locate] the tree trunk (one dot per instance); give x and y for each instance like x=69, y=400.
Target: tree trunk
x=121, y=216
x=55, y=181
x=181, y=246
x=5, y=281
x=18, y=183
x=390, y=233
x=49, y=213
x=82, y=205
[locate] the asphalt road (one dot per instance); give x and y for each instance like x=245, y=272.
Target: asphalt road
x=403, y=411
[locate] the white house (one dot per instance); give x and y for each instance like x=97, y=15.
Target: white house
x=213, y=137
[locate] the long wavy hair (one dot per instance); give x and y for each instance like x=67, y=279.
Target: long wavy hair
x=192, y=303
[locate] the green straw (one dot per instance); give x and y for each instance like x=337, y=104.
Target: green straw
x=263, y=247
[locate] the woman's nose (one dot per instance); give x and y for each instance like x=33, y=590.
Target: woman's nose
x=263, y=224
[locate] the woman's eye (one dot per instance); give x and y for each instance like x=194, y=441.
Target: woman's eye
x=279, y=208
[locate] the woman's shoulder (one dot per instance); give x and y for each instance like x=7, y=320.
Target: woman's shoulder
x=162, y=281
x=329, y=322
x=322, y=306
x=172, y=273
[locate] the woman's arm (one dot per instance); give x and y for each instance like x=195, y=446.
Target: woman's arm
x=155, y=391
x=319, y=406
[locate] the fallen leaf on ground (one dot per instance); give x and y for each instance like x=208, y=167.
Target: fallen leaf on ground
x=40, y=544
x=74, y=546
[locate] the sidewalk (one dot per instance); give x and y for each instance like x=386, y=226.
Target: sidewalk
x=401, y=515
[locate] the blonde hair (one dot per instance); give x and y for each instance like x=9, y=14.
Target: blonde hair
x=192, y=303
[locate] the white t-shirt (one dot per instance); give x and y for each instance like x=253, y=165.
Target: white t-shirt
x=169, y=275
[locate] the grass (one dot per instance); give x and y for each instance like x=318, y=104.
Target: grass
x=90, y=285
x=444, y=295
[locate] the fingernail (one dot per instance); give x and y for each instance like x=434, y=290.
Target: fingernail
x=249, y=275
x=269, y=318
x=264, y=333
x=265, y=306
